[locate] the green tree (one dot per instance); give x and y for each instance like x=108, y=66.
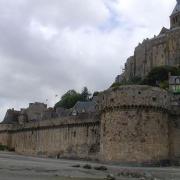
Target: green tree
x=69, y=99
x=85, y=94
x=159, y=75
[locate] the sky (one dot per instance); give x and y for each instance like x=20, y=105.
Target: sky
x=48, y=47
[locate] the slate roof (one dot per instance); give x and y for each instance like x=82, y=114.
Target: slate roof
x=11, y=117
x=177, y=8
x=86, y=107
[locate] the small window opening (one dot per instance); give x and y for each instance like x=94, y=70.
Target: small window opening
x=154, y=99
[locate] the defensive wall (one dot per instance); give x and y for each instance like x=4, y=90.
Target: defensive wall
x=137, y=124
x=69, y=137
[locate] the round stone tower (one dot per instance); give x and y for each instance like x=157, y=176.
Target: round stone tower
x=134, y=124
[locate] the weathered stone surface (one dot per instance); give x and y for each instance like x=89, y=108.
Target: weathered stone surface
x=138, y=124
x=134, y=126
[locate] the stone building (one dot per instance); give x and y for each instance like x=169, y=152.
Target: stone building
x=163, y=49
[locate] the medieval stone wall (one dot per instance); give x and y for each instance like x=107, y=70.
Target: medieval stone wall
x=5, y=136
x=137, y=124
x=174, y=132
x=66, y=137
x=134, y=124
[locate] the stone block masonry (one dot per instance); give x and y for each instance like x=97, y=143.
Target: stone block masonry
x=134, y=125
x=66, y=137
x=137, y=124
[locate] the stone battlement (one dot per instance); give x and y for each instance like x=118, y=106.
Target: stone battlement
x=132, y=96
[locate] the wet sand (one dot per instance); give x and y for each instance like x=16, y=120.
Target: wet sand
x=16, y=167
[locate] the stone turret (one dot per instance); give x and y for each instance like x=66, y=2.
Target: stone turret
x=175, y=16
x=134, y=124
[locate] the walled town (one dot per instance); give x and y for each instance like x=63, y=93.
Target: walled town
x=126, y=124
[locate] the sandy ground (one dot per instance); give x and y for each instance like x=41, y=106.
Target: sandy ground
x=16, y=167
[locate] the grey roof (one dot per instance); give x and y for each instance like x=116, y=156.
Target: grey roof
x=177, y=8
x=174, y=80
x=11, y=117
x=87, y=107
x=163, y=31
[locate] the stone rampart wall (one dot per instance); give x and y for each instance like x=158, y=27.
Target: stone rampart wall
x=134, y=124
x=66, y=137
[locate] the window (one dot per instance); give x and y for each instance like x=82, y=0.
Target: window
x=154, y=99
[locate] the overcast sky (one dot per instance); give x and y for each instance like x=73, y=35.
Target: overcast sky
x=50, y=46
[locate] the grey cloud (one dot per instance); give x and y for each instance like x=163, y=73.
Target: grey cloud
x=35, y=68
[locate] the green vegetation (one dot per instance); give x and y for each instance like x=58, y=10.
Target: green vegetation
x=134, y=80
x=70, y=98
x=85, y=94
x=158, y=76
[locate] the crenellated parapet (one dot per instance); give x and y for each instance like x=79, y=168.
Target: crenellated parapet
x=134, y=96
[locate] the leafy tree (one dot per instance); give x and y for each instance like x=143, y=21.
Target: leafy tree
x=159, y=76
x=135, y=80
x=69, y=99
x=85, y=94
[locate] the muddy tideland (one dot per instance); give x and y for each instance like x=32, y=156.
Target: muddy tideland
x=17, y=167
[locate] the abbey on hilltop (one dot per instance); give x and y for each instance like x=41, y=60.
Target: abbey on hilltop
x=125, y=124
x=161, y=50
